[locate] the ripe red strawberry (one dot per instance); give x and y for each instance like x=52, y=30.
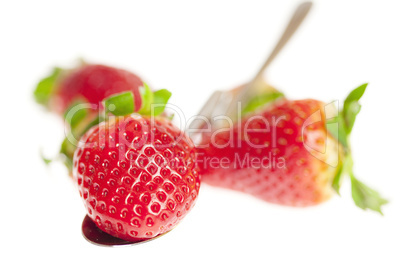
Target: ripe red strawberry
x=287, y=153
x=137, y=176
x=87, y=83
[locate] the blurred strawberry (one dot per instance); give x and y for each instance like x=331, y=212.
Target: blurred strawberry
x=87, y=83
x=80, y=95
x=287, y=152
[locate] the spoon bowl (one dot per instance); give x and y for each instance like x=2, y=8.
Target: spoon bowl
x=96, y=236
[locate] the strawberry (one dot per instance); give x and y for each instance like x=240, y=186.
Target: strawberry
x=288, y=152
x=137, y=176
x=79, y=95
x=87, y=83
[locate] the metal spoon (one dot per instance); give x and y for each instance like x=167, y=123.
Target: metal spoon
x=96, y=236
x=226, y=102
x=246, y=92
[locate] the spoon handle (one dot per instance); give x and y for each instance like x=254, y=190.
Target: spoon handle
x=294, y=23
x=245, y=93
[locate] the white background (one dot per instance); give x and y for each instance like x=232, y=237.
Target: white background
x=192, y=49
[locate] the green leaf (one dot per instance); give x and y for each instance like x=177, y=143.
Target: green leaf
x=45, y=160
x=261, y=100
x=147, y=97
x=78, y=115
x=350, y=115
x=45, y=87
x=336, y=183
x=356, y=94
x=351, y=107
x=123, y=103
x=67, y=149
x=336, y=127
x=340, y=128
x=365, y=197
x=161, y=97
x=120, y=104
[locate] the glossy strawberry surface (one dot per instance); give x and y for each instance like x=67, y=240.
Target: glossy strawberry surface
x=93, y=83
x=137, y=176
x=277, y=155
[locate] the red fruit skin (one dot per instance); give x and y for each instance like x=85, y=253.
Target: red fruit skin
x=94, y=83
x=303, y=180
x=137, y=179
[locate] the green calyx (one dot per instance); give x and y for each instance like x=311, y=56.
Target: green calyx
x=264, y=96
x=340, y=128
x=120, y=104
x=260, y=101
x=46, y=86
x=153, y=102
x=77, y=130
x=80, y=117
